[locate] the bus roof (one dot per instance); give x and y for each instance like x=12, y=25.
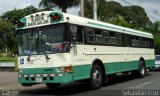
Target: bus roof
x=52, y=17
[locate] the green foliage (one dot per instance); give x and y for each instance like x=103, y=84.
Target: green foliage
x=88, y=6
x=133, y=17
x=157, y=40
x=7, y=37
x=156, y=27
x=5, y=28
x=49, y=4
x=12, y=16
x=136, y=16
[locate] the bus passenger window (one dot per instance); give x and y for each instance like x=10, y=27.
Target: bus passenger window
x=90, y=35
x=105, y=35
x=119, y=39
x=99, y=38
x=77, y=33
x=73, y=30
x=112, y=40
x=133, y=41
x=80, y=34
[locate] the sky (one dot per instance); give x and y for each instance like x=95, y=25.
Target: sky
x=151, y=7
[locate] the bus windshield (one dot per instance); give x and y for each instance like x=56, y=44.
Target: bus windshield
x=43, y=40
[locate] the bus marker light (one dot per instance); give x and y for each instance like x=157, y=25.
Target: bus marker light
x=68, y=69
x=48, y=74
x=35, y=75
x=20, y=24
x=41, y=75
x=55, y=16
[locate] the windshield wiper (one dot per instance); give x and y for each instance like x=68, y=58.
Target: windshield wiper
x=45, y=49
x=35, y=44
x=44, y=46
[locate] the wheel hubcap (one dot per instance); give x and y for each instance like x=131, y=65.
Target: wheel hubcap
x=143, y=71
x=97, y=76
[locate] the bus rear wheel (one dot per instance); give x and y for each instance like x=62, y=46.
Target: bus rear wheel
x=52, y=85
x=96, y=77
x=142, y=69
x=140, y=73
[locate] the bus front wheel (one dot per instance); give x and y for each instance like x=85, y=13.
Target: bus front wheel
x=52, y=85
x=96, y=77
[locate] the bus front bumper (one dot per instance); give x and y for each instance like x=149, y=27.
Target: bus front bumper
x=43, y=75
x=45, y=78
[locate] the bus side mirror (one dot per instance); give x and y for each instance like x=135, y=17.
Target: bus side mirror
x=74, y=39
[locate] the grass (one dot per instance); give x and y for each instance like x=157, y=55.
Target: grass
x=9, y=59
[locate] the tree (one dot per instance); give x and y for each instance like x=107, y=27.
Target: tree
x=5, y=28
x=156, y=27
x=7, y=21
x=137, y=16
x=12, y=16
x=88, y=7
x=49, y=4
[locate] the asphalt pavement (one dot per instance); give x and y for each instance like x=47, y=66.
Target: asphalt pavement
x=123, y=85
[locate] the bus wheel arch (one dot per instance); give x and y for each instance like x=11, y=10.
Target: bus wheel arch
x=101, y=64
x=142, y=59
x=98, y=65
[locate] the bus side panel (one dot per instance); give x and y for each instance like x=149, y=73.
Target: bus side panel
x=81, y=68
x=117, y=67
x=81, y=72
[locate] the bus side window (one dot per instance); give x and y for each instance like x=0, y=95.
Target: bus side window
x=73, y=30
x=151, y=44
x=119, y=38
x=77, y=33
x=112, y=36
x=99, y=37
x=90, y=35
x=80, y=34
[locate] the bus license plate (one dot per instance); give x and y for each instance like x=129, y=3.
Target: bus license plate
x=39, y=80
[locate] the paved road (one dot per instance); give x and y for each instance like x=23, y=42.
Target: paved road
x=117, y=85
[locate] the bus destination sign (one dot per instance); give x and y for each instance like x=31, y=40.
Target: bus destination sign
x=38, y=20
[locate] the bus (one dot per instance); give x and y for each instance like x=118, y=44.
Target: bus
x=56, y=48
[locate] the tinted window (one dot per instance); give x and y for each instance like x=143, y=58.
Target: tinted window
x=157, y=58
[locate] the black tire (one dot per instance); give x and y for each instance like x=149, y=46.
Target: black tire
x=142, y=69
x=140, y=73
x=96, y=77
x=52, y=85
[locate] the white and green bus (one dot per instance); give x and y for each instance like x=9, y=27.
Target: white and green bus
x=56, y=48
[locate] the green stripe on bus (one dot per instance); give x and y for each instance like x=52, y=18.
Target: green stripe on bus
x=83, y=71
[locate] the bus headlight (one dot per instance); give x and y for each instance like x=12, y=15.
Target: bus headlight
x=20, y=70
x=60, y=69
